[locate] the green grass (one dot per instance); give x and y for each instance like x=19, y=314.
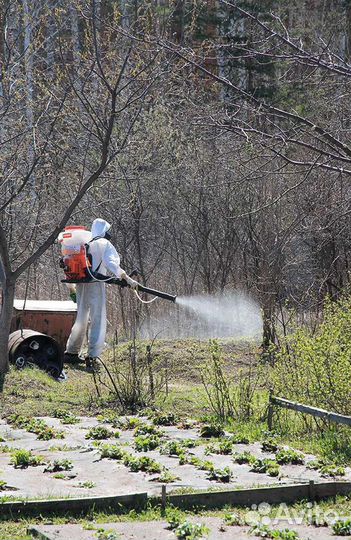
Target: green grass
x=16, y=529
x=32, y=392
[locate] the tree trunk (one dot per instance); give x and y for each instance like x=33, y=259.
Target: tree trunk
x=8, y=294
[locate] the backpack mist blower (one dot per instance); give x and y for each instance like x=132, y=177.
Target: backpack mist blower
x=77, y=265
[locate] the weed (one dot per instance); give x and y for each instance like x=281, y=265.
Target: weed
x=66, y=417
x=233, y=519
x=213, y=429
x=99, y=433
x=263, y=531
x=127, y=424
x=224, y=448
x=147, y=429
x=3, y=485
x=267, y=466
x=289, y=456
x=37, y=426
x=190, y=531
x=144, y=464
x=270, y=442
x=244, y=457
x=107, y=535
x=239, y=439
x=88, y=484
x=144, y=443
x=175, y=448
x=112, y=451
x=220, y=475
x=166, y=477
x=59, y=465
x=332, y=470
x=342, y=527
x=167, y=419
x=22, y=459
x=59, y=476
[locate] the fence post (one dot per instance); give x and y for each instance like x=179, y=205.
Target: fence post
x=270, y=411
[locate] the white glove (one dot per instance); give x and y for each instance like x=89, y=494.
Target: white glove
x=131, y=282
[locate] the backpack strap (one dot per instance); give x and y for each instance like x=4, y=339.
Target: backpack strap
x=96, y=271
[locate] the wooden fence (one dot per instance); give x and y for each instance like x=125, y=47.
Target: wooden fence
x=306, y=409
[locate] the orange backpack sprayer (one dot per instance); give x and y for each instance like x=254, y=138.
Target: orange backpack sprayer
x=77, y=266
x=74, y=261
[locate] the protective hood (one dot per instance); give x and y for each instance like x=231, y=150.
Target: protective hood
x=99, y=227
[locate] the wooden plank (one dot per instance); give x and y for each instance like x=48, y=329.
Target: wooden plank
x=73, y=506
x=271, y=495
x=314, y=411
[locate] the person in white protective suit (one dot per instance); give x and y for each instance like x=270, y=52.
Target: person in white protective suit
x=91, y=297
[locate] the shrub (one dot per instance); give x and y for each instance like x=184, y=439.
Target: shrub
x=313, y=368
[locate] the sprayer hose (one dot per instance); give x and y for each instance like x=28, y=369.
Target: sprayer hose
x=144, y=301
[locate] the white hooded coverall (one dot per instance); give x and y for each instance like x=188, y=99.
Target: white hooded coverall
x=91, y=297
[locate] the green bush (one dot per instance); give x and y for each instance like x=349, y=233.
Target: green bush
x=314, y=368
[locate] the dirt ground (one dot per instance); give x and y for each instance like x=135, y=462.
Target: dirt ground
x=157, y=530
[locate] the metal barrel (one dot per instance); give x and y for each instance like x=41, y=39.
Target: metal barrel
x=27, y=347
